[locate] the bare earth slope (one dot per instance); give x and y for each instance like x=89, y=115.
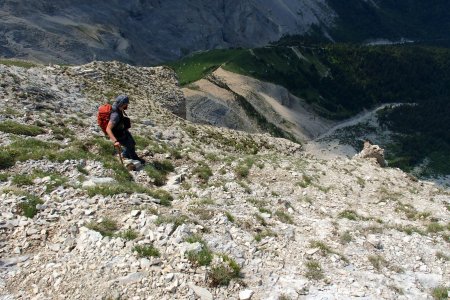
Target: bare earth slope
x=274, y=102
x=296, y=226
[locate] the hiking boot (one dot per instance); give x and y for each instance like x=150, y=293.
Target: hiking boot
x=142, y=161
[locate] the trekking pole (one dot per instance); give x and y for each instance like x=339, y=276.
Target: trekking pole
x=120, y=153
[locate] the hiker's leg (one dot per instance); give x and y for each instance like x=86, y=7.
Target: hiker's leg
x=129, y=147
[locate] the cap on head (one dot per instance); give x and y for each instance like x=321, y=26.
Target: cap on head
x=122, y=100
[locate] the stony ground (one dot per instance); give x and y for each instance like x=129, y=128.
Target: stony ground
x=215, y=214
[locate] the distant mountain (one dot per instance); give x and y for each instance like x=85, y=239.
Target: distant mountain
x=152, y=31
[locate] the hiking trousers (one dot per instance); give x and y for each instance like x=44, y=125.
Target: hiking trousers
x=129, y=146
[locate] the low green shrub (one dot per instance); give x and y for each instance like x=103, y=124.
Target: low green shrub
x=203, y=171
x=314, y=270
x=223, y=273
x=106, y=227
x=27, y=207
x=146, y=251
x=129, y=234
x=441, y=292
x=201, y=258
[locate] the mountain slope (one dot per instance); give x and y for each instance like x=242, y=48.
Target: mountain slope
x=146, y=32
x=149, y=31
x=253, y=214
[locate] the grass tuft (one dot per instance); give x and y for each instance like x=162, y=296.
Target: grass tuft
x=203, y=171
x=106, y=227
x=129, y=235
x=146, y=251
x=27, y=207
x=314, y=270
x=223, y=273
x=440, y=293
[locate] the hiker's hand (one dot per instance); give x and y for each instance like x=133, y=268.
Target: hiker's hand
x=116, y=144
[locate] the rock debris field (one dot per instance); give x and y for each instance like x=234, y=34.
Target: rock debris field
x=214, y=213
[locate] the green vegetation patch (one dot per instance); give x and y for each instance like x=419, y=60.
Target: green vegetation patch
x=20, y=129
x=28, y=206
x=203, y=171
x=146, y=251
x=202, y=257
x=18, y=63
x=314, y=270
x=223, y=273
x=106, y=227
x=441, y=292
x=129, y=234
x=197, y=66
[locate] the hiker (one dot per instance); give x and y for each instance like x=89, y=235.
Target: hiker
x=118, y=126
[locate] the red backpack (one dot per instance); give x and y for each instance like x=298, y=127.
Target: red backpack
x=104, y=112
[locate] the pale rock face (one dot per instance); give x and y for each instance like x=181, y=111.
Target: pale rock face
x=373, y=151
x=148, y=31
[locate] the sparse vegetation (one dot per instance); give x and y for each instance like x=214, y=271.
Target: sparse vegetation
x=440, y=293
x=146, y=251
x=203, y=171
x=176, y=220
x=129, y=235
x=410, y=212
x=20, y=129
x=345, y=238
x=349, y=214
x=4, y=177
x=202, y=257
x=260, y=219
x=243, y=168
x=129, y=188
x=22, y=180
x=223, y=273
x=28, y=206
x=435, y=227
x=325, y=249
x=440, y=255
x=17, y=63
x=283, y=216
x=106, y=226
x=377, y=261
x=265, y=233
x=158, y=170
x=307, y=180
x=229, y=216
x=314, y=270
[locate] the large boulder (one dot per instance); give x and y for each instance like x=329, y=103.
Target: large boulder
x=373, y=151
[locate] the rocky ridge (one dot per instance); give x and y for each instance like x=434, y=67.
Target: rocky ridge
x=294, y=225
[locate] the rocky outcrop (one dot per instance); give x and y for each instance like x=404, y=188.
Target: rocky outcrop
x=373, y=151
